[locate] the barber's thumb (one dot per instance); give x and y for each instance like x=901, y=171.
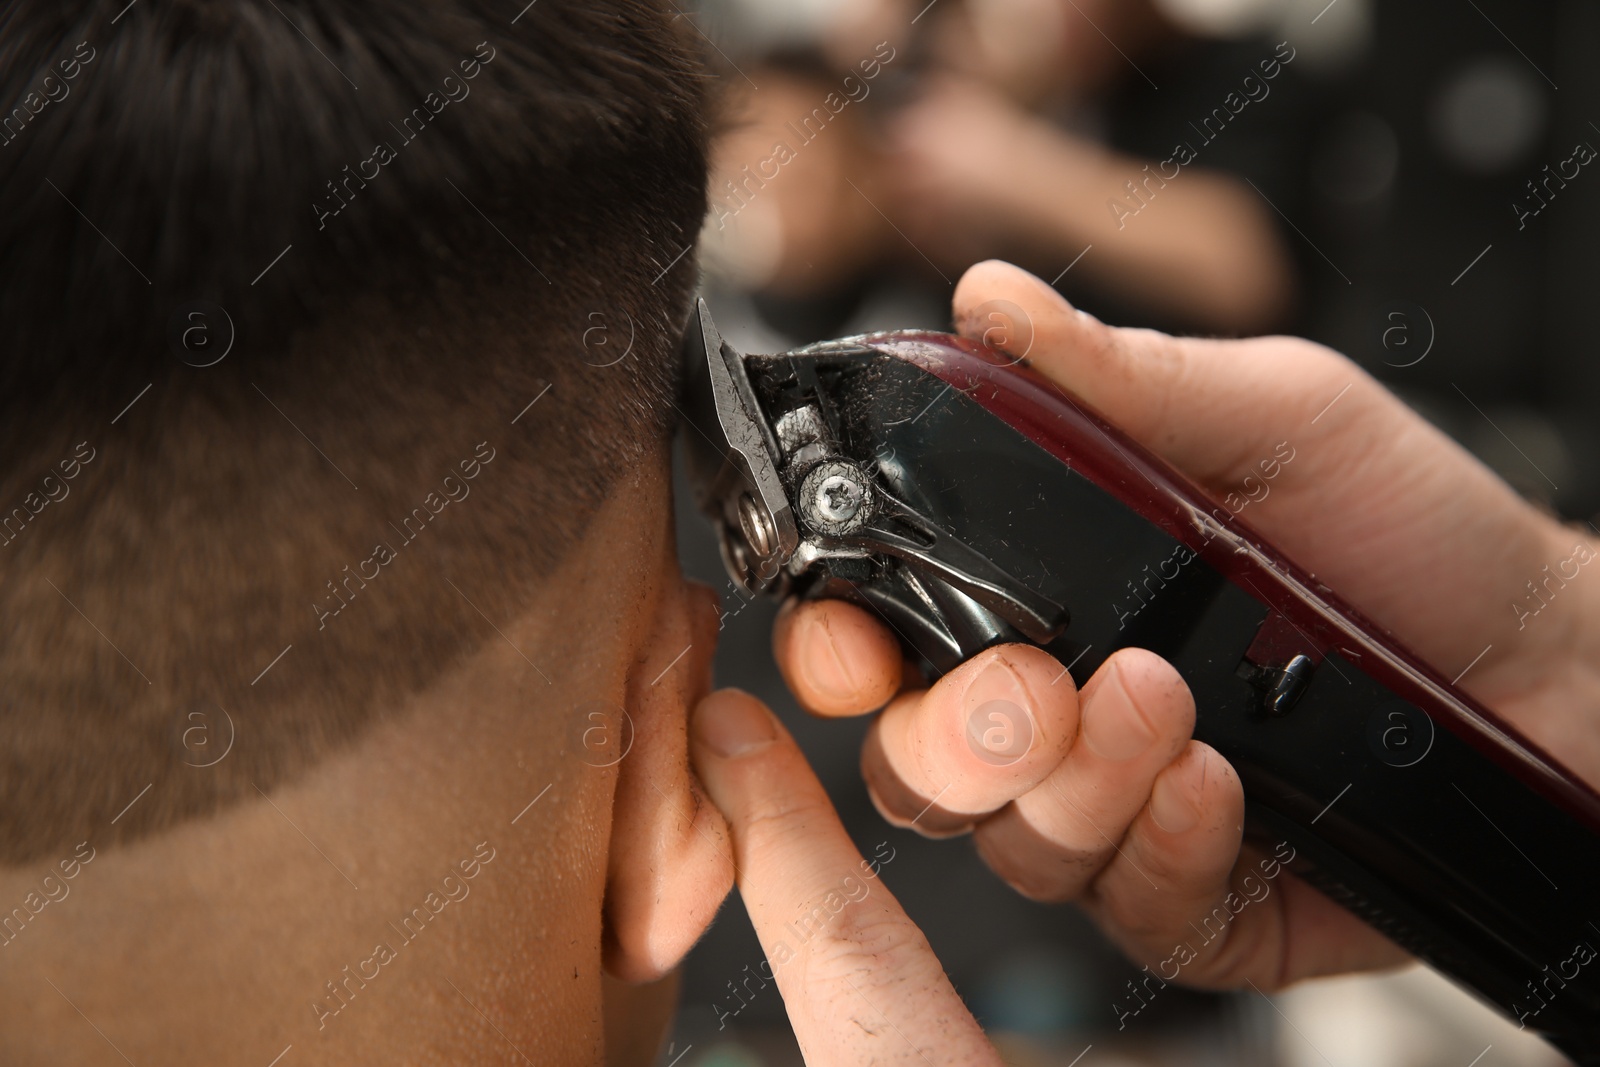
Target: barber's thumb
x=1014, y=311
x=1129, y=376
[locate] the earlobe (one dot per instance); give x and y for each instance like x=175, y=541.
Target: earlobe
x=671, y=860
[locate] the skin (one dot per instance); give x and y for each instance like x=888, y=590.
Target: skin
x=209, y=943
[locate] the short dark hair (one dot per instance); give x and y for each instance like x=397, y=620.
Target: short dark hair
x=254, y=255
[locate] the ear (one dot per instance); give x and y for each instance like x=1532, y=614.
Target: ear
x=671, y=860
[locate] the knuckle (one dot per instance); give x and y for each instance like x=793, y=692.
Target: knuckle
x=929, y=820
x=1236, y=958
x=1176, y=872
x=1137, y=923
x=1042, y=854
x=775, y=822
x=1053, y=876
x=876, y=945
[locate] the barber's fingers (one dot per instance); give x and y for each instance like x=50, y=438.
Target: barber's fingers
x=984, y=734
x=1053, y=840
x=1215, y=409
x=1181, y=897
x=837, y=658
x=859, y=980
x=1177, y=853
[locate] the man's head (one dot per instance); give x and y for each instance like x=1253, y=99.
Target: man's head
x=337, y=378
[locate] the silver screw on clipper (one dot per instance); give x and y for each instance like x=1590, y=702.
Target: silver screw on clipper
x=836, y=497
x=839, y=498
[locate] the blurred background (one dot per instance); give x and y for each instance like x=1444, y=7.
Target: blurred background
x=1407, y=183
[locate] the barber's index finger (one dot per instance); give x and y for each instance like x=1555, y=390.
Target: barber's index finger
x=859, y=980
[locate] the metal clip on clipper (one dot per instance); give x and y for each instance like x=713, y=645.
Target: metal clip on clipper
x=970, y=502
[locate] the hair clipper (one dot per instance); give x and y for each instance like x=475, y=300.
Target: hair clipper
x=970, y=502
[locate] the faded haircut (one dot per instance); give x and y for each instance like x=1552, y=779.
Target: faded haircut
x=324, y=328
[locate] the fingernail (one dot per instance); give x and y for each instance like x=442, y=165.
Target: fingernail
x=1113, y=728
x=733, y=724
x=999, y=726
x=1172, y=801
x=834, y=671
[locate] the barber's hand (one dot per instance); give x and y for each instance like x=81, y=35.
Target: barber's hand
x=964, y=169
x=858, y=978
x=1380, y=505
x=939, y=180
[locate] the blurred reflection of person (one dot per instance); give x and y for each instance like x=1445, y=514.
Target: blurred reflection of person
x=1064, y=92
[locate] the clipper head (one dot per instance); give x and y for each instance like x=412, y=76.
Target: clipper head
x=786, y=457
x=732, y=459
